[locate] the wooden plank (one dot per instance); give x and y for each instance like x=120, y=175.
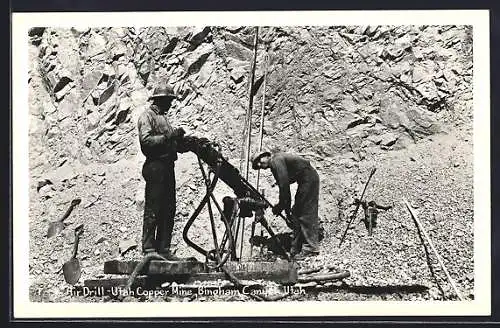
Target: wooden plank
x=288, y=277
x=284, y=272
x=279, y=271
x=154, y=267
x=324, y=277
x=257, y=266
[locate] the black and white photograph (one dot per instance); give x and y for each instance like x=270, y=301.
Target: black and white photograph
x=296, y=163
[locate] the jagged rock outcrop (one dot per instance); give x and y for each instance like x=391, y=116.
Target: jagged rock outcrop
x=341, y=94
x=329, y=88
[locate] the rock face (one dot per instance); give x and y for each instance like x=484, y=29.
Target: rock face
x=329, y=88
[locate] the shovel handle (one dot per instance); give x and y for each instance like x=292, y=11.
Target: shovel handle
x=75, y=246
x=372, y=172
x=78, y=232
x=73, y=204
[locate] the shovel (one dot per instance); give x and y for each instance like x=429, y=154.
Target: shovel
x=71, y=269
x=58, y=226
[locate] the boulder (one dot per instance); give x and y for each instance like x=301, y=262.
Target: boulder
x=96, y=45
x=57, y=79
x=237, y=51
x=206, y=73
x=144, y=70
x=52, y=132
x=124, y=107
x=36, y=31
x=80, y=30
x=46, y=192
x=126, y=245
x=193, y=62
x=404, y=42
x=118, y=50
x=68, y=106
x=244, y=40
x=122, y=72
x=197, y=35
x=376, y=139
x=423, y=72
x=392, y=111
x=106, y=94
x=370, y=30
x=90, y=81
x=42, y=183
x=93, y=120
x=238, y=73
x=354, y=122
x=139, y=199
x=36, y=40
x=422, y=123
x=63, y=173
x=172, y=43
x=99, y=239
x=35, y=34
x=388, y=139
x=234, y=29
x=429, y=92
x=353, y=38
x=59, y=95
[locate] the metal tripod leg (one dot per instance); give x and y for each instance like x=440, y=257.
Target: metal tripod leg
x=252, y=233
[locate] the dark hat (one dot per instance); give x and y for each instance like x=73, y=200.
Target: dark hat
x=163, y=91
x=257, y=156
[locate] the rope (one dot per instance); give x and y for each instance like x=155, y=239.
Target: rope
x=138, y=268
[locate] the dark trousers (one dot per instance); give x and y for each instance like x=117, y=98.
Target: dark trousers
x=305, y=210
x=159, y=207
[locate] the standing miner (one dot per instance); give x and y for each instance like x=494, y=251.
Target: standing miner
x=287, y=169
x=158, y=140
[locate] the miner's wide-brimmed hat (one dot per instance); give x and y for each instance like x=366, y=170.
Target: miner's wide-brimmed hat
x=257, y=156
x=163, y=91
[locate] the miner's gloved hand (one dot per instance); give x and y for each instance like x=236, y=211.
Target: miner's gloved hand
x=277, y=209
x=179, y=132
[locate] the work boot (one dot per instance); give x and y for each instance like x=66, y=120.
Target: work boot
x=170, y=256
x=305, y=254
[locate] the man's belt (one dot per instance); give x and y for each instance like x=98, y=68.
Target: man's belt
x=163, y=158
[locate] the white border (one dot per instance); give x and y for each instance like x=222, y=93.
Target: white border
x=479, y=19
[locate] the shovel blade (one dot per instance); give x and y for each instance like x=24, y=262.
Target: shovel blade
x=55, y=228
x=72, y=271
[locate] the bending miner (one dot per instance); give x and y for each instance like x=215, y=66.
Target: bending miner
x=286, y=169
x=158, y=140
